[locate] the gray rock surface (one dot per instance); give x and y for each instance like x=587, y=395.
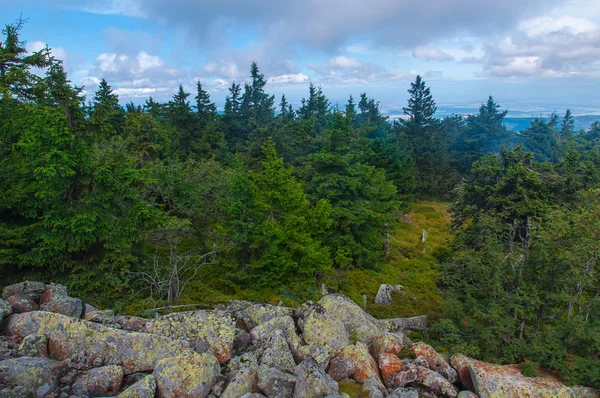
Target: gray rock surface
x=190, y=375
x=38, y=377
x=99, y=382
x=145, y=388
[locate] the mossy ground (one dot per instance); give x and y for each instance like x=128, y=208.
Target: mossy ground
x=411, y=264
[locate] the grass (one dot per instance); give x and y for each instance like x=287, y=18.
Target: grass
x=412, y=264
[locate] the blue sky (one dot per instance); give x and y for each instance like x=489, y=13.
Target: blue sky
x=534, y=56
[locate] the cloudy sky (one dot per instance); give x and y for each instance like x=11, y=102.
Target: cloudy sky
x=532, y=55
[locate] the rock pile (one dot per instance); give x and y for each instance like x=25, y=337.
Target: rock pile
x=54, y=345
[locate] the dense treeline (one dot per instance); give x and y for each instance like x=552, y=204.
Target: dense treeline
x=117, y=201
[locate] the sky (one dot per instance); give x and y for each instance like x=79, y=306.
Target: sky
x=532, y=56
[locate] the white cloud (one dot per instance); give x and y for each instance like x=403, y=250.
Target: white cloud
x=295, y=78
x=431, y=53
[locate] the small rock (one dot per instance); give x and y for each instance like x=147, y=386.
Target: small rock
x=287, y=326
x=131, y=323
x=435, y=361
x=404, y=393
x=365, y=367
x=274, y=383
x=320, y=353
x=384, y=294
x=312, y=381
x=421, y=361
x=466, y=394
x=373, y=388
x=241, y=342
x=29, y=289
x=191, y=375
x=53, y=292
x=21, y=303
x=319, y=327
x=68, y=306
x=145, y=388
x=461, y=364
x=34, y=345
x=99, y=382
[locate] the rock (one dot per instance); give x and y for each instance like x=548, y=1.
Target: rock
x=100, y=316
x=320, y=353
x=287, y=326
x=435, y=383
x=365, y=367
x=204, y=330
x=384, y=294
x=253, y=395
x=390, y=365
x=21, y=303
x=373, y=389
x=278, y=352
x=466, y=394
x=507, y=381
x=31, y=290
x=5, y=309
x=247, y=360
x=38, y=377
x=244, y=381
x=312, y=381
x=435, y=361
x=319, y=327
x=145, y=388
x=131, y=323
x=340, y=368
x=99, y=382
x=391, y=343
x=404, y=393
x=257, y=314
x=241, y=341
x=359, y=325
x=68, y=306
x=460, y=363
x=274, y=383
x=136, y=352
x=53, y=292
x=418, y=323
x=34, y=345
x=189, y=375
x=421, y=361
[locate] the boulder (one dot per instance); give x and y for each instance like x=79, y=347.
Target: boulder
x=507, y=381
x=53, y=292
x=189, y=375
x=287, y=326
x=384, y=294
x=395, y=372
x=359, y=325
x=320, y=353
x=68, y=306
x=435, y=361
x=460, y=363
x=389, y=343
x=21, y=303
x=34, y=345
x=312, y=381
x=5, y=309
x=319, y=327
x=417, y=323
x=204, y=330
x=246, y=360
x=257, y=314
x=241, y=341
x=38, y=377
x=365, y=367
x=435, y=383
x=29, y=289
x=100, y=316
x=274, y=383
x=277, y=352
x=145, y=388
x=244, y=381
x=99, y=382
x=373, y=389
x=340, y=368
x=136, y=352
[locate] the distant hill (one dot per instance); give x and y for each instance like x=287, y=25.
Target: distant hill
x=521, y=123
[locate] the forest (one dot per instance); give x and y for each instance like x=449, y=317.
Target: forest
x=172, y=203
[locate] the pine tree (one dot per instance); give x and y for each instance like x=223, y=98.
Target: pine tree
x=107, y=116
x=207, y=110
x=421, y=106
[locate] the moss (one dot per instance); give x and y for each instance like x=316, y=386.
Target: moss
x=406, y=353
x=353, y=389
